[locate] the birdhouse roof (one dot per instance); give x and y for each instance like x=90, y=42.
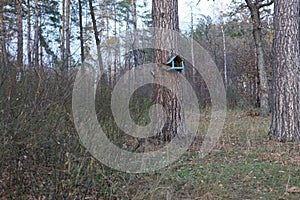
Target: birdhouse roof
x=173, y=59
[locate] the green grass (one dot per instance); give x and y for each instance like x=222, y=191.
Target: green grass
x=244, y=165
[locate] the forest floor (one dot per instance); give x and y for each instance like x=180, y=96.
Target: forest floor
x=244, y=164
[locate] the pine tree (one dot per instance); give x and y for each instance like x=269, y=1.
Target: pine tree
x=165, y=16
x=286, y=74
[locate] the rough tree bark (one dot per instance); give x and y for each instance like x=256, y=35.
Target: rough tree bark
x=109, y=56
x=191, y=71
x=4, y=56
x=81, y=32
x=20, y=33
x=29, y=33
x=116, y=50
x=36, y=34
x=41, y=46
x=286, y=73
x=63, y=27
x=68, y=34
x=254, y=7
x=165, y=16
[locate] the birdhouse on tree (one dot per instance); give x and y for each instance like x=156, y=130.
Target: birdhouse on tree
x=175, y=63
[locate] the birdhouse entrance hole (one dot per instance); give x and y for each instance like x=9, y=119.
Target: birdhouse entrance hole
x=175, y=63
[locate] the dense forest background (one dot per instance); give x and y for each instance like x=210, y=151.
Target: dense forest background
x=59, y=36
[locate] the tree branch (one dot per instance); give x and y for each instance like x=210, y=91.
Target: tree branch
x=199, y=2
x=251, y=5
x=265, y=4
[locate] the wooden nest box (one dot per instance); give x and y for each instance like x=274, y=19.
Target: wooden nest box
x=175, y=63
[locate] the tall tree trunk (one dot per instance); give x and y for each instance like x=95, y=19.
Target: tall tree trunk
x=257, y=34
x=127, y=46
x=165, y=16
x=96, y=34
x=68, y=30
x=28, y=33
x=286, y=74
x=4, y=56
x=41, y=45
x=116, y=49
x=20, y=33
x=63, y=37
x=191, y=71
x=224, y=54
x=109, y=59
x=81, y=32
x=36, y=34
x=137, y=54
x=133, y=15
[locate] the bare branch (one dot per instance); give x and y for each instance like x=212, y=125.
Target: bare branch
x=265, y=4
x=199, y=2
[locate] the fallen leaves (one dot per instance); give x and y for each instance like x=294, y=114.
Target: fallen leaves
x=293, y=190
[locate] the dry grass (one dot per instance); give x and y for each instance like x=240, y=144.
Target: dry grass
x=41, y=157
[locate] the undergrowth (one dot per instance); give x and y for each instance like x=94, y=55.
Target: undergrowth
x=42, y=157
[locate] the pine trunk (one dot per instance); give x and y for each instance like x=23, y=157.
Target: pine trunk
x=4, y=56
x=20, y=33
x=68, y=34
x=116, y=49
x=81, y=32
x=36, y=34
x=165, y=16
x=63, y=37
x=137, y=54
x=41, y=46
x=286, y=75
x=191, y=71
x=109, y=59
x=28, y=33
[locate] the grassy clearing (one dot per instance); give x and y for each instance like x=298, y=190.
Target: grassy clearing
x=244, y=165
